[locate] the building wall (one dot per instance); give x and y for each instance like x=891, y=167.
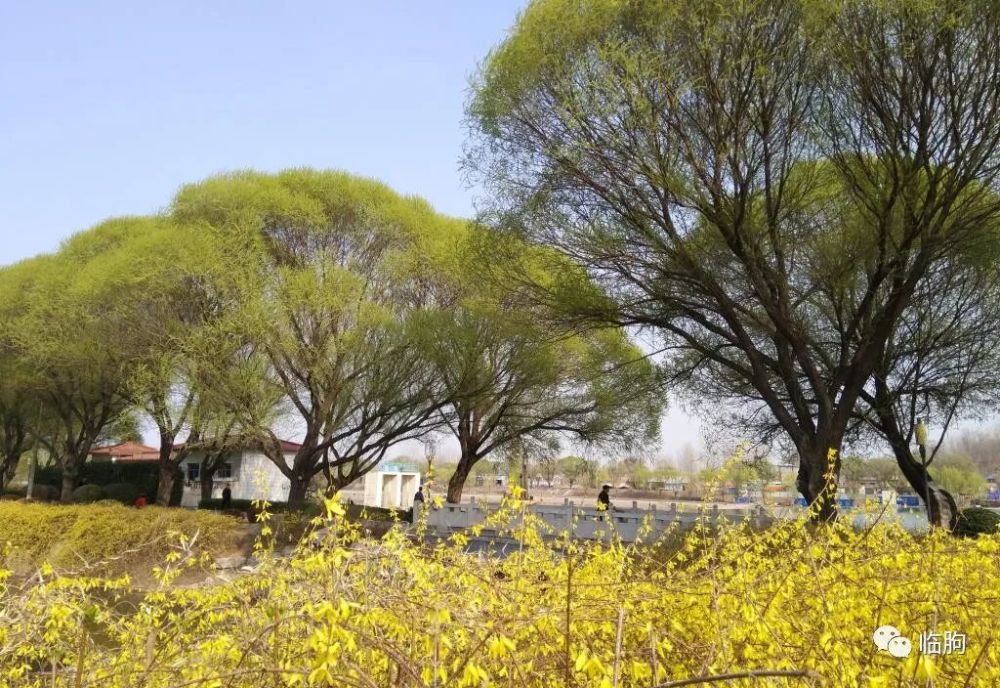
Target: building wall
x=259, y=478
x=254, y=476
x=391, y=489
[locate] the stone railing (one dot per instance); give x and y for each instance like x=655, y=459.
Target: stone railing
x=588, y=522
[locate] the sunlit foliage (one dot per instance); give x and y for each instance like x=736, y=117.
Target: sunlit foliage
x=345, y=611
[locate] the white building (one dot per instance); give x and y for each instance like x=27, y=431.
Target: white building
x=247, y=472
x=391, y=486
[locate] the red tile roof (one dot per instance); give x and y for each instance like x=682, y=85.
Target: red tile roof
x=253, y=443
x=126, y=452
x=133, y=452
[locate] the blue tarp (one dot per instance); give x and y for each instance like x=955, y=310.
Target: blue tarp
x=843, y=502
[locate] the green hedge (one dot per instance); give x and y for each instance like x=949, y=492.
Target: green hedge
x=126, y=493
x=41, y=493
x=976, y=520
x=144, y=476
x=88, y=493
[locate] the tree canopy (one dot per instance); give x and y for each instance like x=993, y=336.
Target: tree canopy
x=516, y=377
x=330, y=319
x=768, y=187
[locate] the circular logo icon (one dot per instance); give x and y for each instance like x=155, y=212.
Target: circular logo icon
x=883, y=634
x=900, y=647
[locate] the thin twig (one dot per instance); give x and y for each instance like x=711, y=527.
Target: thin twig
x=975, y=664
x=762, y=673
x=618, y=645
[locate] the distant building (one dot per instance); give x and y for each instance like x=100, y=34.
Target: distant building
x=675, y=486
x=778, y=494
x=245, y=469
x=992, y=488
x=125, y=462
x=392, y=486
x=496, y=480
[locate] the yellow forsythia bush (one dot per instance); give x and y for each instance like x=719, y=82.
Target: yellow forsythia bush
x=105, y=537
x=795, y=603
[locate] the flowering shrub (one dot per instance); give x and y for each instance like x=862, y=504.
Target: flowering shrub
x=796, y=605
x=104, y=538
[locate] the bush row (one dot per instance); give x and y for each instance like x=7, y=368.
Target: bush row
x=144, y=478
x=104, y=536
x=794, y=605
x=125, y=493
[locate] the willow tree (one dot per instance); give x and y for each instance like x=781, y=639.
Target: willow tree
x=940, y=365
x=938, y=361
x=328, y=318
x=179, y=289
x=18, y=409
x=616, y=130
x=73, y=331
x=515, y=377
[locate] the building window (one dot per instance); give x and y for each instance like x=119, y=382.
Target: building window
x=193, y=472
x=224, y=472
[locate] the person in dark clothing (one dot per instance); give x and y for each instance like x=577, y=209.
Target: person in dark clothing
x=604, y=500
x=418, y=503
x=227, y=497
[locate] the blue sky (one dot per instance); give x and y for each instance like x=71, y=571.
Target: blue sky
x=108, y=107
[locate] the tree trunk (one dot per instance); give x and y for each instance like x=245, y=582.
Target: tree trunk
x=457, y=481
x=70, y=478
x=337, y=483
x=942, y=511
x=166, y=484
x=7, y=471
x=297, y=492
x=167, y=469
x=207, y=480
x=817, y=479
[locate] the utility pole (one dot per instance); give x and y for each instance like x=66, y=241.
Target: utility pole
x=430, y=449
